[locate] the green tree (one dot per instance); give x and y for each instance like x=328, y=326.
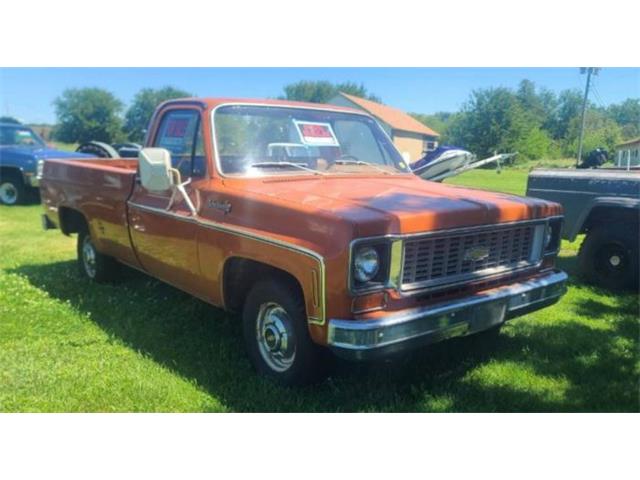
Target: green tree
x=439, y=121
x=568, y=109
x=357, y=90
x=627, y=115
x=144, y=103
x=537, y=104
x=599, y=131
x=494, y=120
x=536, y=143
x=322, y=91
x=540, y=103
x=85, y=114
x=9, y=119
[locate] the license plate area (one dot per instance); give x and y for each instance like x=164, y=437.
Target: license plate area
x=487, y=315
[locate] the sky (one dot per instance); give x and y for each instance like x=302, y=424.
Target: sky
x=28, y=93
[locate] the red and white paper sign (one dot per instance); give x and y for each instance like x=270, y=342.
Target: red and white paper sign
x=317, y=134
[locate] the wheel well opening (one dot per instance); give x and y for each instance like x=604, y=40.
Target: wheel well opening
x=608, y=215
x=71, y=221
x=241, y=274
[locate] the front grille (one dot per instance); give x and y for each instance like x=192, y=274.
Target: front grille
x=442, y=259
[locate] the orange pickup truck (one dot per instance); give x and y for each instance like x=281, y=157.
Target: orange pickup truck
x=306, y=219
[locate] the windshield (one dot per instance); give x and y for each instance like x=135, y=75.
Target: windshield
x=19, y=135
x=255, y=141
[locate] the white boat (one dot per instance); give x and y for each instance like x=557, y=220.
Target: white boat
x=441, y=161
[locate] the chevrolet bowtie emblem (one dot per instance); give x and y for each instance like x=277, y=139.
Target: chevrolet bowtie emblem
x=475, y=254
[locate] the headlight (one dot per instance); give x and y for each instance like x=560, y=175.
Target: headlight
x=39, y=169
x=548, y=236
x=552, y=235
x=366, y=264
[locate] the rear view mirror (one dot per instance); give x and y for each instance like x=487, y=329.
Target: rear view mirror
x=156, y=172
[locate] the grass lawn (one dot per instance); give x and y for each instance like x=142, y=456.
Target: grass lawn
x=66, y=345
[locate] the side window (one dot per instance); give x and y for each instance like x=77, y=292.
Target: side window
x=181, y=134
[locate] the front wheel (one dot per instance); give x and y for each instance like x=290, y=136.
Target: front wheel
x=276, y=335
x=93, y=264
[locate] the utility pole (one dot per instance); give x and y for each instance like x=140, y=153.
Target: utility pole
x=589, y=71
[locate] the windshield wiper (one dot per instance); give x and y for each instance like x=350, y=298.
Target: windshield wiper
x=362, y=162
x=301, y=166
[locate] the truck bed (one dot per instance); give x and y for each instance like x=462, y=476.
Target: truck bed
x=545, y=182
x=99, y=190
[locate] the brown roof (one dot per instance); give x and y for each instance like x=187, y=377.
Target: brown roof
x=629, y=142
x=394, y=117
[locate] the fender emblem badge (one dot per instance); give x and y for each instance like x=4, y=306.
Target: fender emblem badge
x=222, y=205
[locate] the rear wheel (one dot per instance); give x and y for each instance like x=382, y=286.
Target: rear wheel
x=12, y=189
x=608, y=256
x=276, y=334
x=93, y=264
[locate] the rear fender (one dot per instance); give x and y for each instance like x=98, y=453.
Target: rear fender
x=597, y=203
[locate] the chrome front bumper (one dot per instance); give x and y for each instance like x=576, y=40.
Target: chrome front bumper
x=32, y=180
x=365, y=339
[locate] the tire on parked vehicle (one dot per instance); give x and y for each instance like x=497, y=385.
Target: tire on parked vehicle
x=93, y=264
x=13, y=191
x=608, y=256
x=276, y=334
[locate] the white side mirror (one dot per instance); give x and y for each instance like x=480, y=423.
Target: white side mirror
x=155, y=169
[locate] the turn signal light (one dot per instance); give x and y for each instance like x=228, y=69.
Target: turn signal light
x=548, y=262
x=369, y=303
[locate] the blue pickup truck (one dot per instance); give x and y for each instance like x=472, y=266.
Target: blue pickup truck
x=21, y=152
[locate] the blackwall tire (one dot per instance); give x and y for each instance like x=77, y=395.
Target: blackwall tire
x=608, y=256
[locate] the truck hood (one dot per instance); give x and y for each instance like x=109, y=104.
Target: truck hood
x=401, y=204
x=38, y=153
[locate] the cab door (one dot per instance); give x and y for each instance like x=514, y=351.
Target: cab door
x=164, y=230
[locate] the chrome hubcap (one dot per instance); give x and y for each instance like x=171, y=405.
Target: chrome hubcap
x=615, y=260
x=275, y=335
x=89, y=257
x=8, y=193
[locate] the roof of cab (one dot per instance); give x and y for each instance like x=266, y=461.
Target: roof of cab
x=211, y=103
